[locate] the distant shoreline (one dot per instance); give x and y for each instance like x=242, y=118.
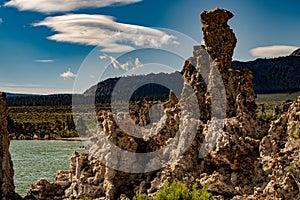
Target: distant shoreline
x=73, y=139
x=63, y=139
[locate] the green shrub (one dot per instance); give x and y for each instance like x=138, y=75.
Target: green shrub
x=177, y=191
x=71, y=134
x=62, y=133
x=296, y=134
x=141, y=196
x=41, y=133
x=290, y=168
x=267, y=117
x=84, y=198
x=67, y=134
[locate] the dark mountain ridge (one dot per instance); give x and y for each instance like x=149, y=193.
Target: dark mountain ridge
x=155, y=86
x=271, y=75
x=274, y=75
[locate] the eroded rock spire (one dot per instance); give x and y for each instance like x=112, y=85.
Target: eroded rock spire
x=7, y=188
x=220, y=42
x=219, y=39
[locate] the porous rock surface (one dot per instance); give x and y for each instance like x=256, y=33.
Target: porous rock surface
x=232, y=168
x=249, y=159
x=6, y=166
x=280, y=156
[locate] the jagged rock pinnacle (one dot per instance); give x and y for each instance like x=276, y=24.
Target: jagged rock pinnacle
x=219, y=39
x=220, y=42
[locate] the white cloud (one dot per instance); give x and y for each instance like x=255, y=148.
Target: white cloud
x=104, y=31
x=102, y=57
x=273, y=51
x=116, y=64
x=129, y=65
x=44, y=61
x=137, y=63
x=68, y=75
x=1, y=20
x=49, y=6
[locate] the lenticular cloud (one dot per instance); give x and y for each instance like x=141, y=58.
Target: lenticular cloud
x=273, y=51
x=104, y=31
x=50, y=6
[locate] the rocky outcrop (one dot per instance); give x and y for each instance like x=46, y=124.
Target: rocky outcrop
x=7, y=188
x=84, y=179
x=231, y=167
x=235, y=155
x=87, y=176
x=220, y=42
x=280, y=156
x=140, y=114
x=283, y=107
x=219, y=39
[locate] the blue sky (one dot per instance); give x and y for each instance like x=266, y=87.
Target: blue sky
x=47, y=44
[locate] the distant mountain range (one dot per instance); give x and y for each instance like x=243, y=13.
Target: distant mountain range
x=13, y=95
x=271, y=75
x=274, y=75
x=155, y=86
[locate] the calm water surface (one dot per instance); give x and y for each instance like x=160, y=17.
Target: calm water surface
x=37, y=159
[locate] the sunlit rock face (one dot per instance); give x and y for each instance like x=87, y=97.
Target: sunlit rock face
x=6, y=166
x=280, y=156
x=229, y=163
x=220, y=42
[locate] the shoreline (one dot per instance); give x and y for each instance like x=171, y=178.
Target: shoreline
x=73, y=139
x=62, y=139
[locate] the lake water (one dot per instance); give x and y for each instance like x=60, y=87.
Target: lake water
x=37, y=159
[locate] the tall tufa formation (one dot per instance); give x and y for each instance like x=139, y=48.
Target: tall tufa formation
x=220, y=42
x=219, y=38
x=6, y=166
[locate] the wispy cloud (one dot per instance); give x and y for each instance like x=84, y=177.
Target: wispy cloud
x=1, y=20
x=44, y=61
x=50, y=6
x=129, y=65
x=68, y=75
x=273, y=51
x=104, y=31
x=116, y=64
